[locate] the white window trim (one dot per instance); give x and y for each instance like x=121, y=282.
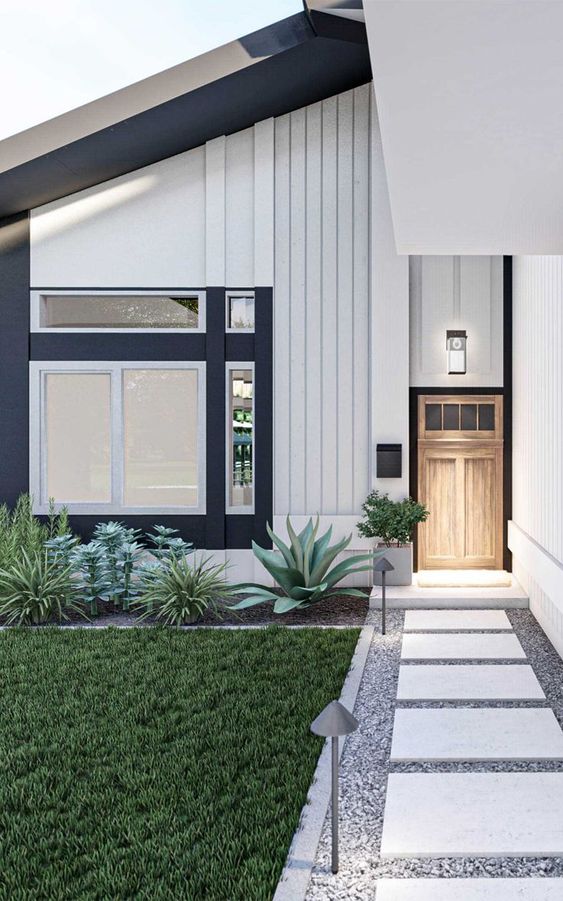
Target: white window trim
x=247, y=509
x=238, y=331
x=36, y=298
x=37, y=437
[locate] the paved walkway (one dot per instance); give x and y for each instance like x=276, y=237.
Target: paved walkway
x=468, y=814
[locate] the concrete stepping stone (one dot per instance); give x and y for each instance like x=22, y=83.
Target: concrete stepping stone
x=466, y=682
x=532, y=889
x=490, y=733
x=453, y=620
x=473, y=815
x=461, y=646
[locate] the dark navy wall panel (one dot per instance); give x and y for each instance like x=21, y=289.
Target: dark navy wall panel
x=14, y=354
x=113, y=346
x=215, y=401
x=263, y=407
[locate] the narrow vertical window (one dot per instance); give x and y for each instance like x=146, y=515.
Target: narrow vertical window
x=240, y=435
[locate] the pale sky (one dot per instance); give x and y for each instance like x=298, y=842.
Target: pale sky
x=58, y=54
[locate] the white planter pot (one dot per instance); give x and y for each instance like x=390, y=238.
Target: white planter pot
x=401, y=559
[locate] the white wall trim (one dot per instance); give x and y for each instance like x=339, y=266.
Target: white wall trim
x=544, y=569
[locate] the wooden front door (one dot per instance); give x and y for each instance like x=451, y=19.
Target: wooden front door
x=460, y=451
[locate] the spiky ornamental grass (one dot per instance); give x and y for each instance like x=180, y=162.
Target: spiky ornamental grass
x=34, y=589
x=158, y=764
x=178, y=592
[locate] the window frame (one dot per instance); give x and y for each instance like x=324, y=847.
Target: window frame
x=37, y=296
x=238, y=293
x=38, y=370
x=246, y=509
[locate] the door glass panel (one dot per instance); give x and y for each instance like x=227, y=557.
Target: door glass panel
x=451, y=417
x=487, y=417
x=433, y=417
x=160, y=454
x=468, y=417
x=242, y=438
x=78, y=437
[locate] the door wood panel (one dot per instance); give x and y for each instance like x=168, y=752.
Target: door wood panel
x=460, y=481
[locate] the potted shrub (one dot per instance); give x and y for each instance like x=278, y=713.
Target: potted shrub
x=392, y=523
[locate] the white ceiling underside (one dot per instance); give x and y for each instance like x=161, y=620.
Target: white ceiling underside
x=470, y=101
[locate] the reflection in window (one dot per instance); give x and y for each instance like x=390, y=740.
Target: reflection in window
x=99, y=311
x=241, y=418
x=240, y=311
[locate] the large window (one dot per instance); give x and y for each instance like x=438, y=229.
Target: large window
x=118, y=437
x=240, y=438
x=79, y=311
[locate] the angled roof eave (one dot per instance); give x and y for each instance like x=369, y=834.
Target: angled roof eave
x=267, y=73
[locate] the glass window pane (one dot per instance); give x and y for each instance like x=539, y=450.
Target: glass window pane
x=116, y=312
x=433, y=417
x=160, y=414
x=241, y=312
x=242, y=435
x=469, y=417
x=78, y=437
x=487, y=417
x=451, y=417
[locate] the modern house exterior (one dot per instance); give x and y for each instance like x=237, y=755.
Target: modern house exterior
x=227, y=286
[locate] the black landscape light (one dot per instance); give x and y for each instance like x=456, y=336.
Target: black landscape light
x=332, y=722
x=383, y=566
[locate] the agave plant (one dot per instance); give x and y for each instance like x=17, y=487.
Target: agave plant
x=302, y=569
x=179, y=593
x=35, y=589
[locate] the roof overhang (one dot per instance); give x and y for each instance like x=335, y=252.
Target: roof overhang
x=268, y=73
x=469, y=97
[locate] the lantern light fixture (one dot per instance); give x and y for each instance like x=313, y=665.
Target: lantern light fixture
x=456, y=351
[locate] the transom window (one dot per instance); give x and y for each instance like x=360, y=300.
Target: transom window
x=77, y=311
x=118, y=437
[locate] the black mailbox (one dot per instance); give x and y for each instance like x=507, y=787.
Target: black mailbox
x=389, y=461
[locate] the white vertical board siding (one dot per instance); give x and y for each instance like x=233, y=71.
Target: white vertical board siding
x=389, y=326
x=450, y=292
x=204, y=217
x=538, y=436
x=321, y=307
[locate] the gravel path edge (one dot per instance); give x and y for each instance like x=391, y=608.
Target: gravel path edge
x=296, y=873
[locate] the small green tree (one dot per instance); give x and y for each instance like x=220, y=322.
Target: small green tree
x=393, y=522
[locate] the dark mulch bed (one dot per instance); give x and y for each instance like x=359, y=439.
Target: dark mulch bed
x=340, y=610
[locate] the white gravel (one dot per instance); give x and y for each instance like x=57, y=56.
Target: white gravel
x=365, y=766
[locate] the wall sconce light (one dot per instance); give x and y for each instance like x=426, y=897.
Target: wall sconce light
x=456, y=351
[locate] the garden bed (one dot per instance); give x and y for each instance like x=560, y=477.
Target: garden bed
x=339, y=610
x=153, y=763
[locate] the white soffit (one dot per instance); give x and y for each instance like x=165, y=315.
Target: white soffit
x=470, y=101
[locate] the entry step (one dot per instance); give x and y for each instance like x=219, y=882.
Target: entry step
x=454, y=620
x=469, y=682
x=476, y=734
x=473, y=815
x=461, y=646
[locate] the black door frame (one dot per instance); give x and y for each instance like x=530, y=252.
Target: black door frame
x=505, y=391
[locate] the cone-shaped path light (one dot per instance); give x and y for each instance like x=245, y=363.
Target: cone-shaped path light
x=332, y=722
x=383, y=566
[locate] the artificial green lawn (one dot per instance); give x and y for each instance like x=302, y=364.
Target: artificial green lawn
x=153, y=763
